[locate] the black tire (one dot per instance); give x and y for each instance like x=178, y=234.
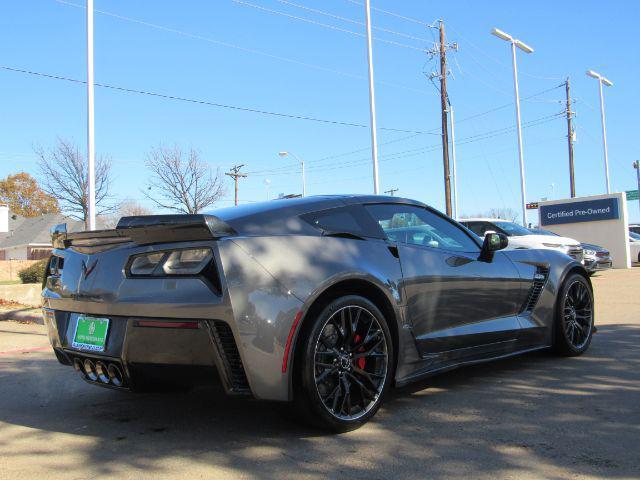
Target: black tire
x=574, y=321
x=344, y=373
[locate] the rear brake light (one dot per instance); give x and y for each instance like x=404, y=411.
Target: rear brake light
x=166, y=324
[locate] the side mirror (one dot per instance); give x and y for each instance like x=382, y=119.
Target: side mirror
x=492, y=243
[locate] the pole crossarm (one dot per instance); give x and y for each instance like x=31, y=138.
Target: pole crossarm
x=234, y=172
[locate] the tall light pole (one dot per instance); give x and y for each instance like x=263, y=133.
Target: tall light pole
x=454, y=173
x=372, y=100
x=91, y=151
x=636, y=165
x=527, y=49
x=284, y=154
x=608, y=83
x=267, y=183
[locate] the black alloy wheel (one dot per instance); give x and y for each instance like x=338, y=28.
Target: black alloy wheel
x=347, y=364
x=574, y=324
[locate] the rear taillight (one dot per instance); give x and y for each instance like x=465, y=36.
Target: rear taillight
x=167, y=324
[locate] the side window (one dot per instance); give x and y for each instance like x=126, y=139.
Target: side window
x=418, y=226
x=349, y=219
x=479, y=228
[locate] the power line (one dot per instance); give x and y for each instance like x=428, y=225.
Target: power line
x=325, y=25
x=350, y=20
x=351, y=152
x=209, y=103
x=425, y=24
x=241, y=48
x=499, y=62
x=393, y=14
x=418, y=151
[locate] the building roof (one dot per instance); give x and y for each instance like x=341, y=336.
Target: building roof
x=35, y=230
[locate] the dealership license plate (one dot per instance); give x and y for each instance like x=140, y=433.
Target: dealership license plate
x=91, y=333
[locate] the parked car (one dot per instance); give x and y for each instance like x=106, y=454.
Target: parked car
x=521, y=237
x=595, y=257
x=325, y=302
x=634, y=246
x=635, y=228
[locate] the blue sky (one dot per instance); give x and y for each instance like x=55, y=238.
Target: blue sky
x=233, y=53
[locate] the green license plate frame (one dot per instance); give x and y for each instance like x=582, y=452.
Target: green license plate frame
x=90, y=333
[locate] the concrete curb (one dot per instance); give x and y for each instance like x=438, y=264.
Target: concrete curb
x=28, y=314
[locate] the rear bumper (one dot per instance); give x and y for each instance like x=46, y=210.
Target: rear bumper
x=188, y=352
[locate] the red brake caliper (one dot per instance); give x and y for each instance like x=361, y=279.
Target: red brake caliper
x=360, y=362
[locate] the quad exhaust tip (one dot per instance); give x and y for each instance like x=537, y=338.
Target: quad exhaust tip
x=115, y=375
x=99, y=372
x=90, y=370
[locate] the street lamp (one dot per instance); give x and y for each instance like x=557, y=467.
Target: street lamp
x=284, y=154
x=608, y=83
x=527, y=49
x=267, y=183
x=636, y=165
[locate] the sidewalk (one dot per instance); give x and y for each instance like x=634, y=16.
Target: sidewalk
x=21, y=313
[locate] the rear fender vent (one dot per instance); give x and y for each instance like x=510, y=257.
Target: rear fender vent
x=539, y=281
x=228, y=349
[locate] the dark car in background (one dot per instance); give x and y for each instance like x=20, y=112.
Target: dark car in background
x=595, y=257
x=324, y=302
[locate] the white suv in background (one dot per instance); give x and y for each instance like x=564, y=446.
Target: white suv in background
x=520, y=237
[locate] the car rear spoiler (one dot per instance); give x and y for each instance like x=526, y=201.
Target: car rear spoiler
x=145, y=230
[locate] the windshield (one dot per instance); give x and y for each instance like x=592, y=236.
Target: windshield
x=635, y=236
x=539, y=231
x=513, y=229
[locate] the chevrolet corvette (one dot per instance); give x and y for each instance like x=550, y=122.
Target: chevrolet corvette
x=323, y=302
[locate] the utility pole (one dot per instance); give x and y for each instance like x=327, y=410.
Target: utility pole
x=91, y=150
x=372, y=100
x=445, y=123
x=570, y=135
x=440, y=50
x=391, y=191
x=234, y=172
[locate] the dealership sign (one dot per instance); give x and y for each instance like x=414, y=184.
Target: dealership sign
x=575, y=212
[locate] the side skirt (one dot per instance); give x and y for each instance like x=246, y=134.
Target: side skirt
x=445, y=368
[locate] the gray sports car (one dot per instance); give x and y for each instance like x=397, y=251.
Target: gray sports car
x=324, y=302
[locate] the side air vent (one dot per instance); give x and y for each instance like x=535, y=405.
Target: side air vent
x=539, y=280
x=231, y=357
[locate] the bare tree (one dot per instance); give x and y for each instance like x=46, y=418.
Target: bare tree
x=181, y=181
x=65, y=176
x=126, y=209
x=505, y=213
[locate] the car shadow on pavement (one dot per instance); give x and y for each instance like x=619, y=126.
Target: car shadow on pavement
x=536, y=415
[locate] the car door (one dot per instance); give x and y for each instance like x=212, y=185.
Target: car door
x=454, y=301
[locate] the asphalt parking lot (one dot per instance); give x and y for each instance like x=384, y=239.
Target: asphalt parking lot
x=536, y=416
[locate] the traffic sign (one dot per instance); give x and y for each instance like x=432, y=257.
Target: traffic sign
x=632, y=194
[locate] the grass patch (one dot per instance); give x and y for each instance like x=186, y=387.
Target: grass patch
x=10, y=282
